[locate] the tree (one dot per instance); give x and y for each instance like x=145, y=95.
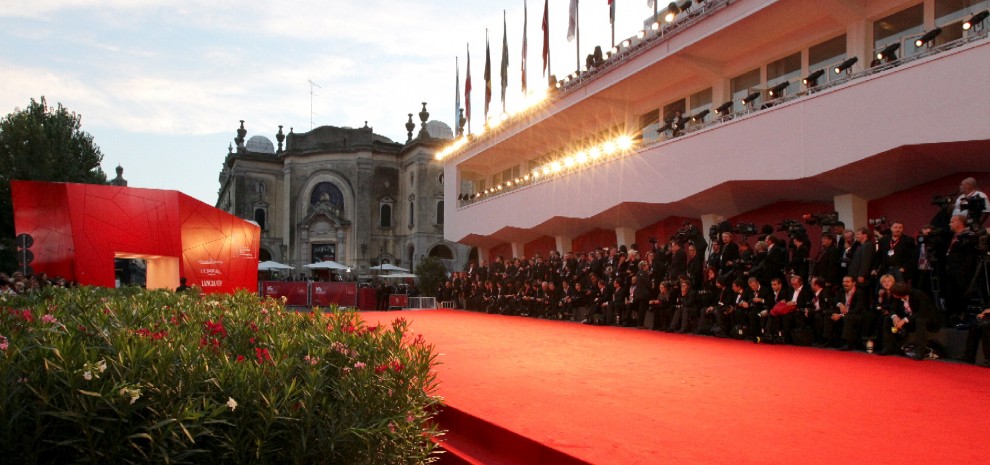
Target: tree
x=431, y=274
x=41, y=143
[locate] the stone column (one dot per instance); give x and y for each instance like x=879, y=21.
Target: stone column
x=564, y=243
x=625, y=236
x=852, y=210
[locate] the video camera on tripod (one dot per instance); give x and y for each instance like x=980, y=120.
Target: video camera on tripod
x=823, y=218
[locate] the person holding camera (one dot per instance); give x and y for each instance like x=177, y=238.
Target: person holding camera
x=978, y=331
x=960, y=264
x=914, y=313
x=972, y=203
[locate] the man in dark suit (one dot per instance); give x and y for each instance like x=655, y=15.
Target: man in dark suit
x=798, y=300
x=827, y=265
x=896, y=254
x=678, y=260
x=913, y=313
x=852, y=308
x=860, y=265
x=776, y=257
x=756, y=305
x=820, y=311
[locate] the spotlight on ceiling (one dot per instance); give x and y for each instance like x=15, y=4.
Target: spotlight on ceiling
x=672, y=11
x=928, y=37
x=975, y=19
x=724, y=108
x=846, y=65
x=812, y=79
x=889, y=52
x=700, y=116
x=751, y=97
x=778, y=90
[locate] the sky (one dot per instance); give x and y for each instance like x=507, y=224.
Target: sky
x=162, y=84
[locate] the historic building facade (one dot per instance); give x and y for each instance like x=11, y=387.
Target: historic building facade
x=343, y=194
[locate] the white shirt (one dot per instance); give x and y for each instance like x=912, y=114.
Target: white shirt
x=980, y=194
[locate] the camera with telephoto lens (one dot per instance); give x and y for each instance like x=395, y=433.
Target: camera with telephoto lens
x=823, y=218
x=746, y=229
x=877, y=221
x=942, y=200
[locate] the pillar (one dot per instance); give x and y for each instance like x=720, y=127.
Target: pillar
x=852, y=210
x=518, y=249
x=625, y=236
x=564, y=243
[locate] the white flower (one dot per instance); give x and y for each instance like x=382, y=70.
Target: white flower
x=87, y=375
x=101, y=365
x=231, y=403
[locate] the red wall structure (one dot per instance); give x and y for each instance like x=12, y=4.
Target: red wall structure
x=78, y=230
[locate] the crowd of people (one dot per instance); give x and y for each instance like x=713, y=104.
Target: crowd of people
x=18, y=283
x=882, y=291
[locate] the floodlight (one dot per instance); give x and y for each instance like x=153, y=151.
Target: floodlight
x=721, y=110
x=975, y=19
x=700, y=116
x=846, y=65
x=889, y=52
x=928, y=37
x=812, y=79
x=749, y=98
x=778, y=90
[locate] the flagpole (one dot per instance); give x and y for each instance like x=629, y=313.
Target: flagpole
x=612, y=18
x=577, y=31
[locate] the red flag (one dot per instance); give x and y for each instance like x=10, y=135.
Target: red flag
x=546, y=35
x=467, y=89
x=523, y=62
x=488, y=76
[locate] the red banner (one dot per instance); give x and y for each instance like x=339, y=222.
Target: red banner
x=294, y=292
x=398, y=300
x=327, y=294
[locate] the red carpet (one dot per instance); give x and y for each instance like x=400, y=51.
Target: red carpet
x=609, y=395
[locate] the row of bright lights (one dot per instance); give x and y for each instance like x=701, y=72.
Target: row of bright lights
x=530, y=101
x=580, y=158
x=536, y=98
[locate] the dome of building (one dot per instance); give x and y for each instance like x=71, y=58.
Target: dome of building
x=260, y=144
x=439, y=130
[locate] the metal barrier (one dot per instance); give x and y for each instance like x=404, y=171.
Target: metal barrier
x=422, y=302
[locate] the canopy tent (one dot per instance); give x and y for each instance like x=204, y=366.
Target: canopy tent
x=389, y=267
x=398, y=275
x=327, y=265
x=273, y=266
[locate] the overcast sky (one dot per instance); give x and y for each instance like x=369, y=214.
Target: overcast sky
x=161, y=84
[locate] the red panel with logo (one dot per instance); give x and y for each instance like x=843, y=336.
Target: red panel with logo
x=78, y=229
x=326, y=294
x=294, y=292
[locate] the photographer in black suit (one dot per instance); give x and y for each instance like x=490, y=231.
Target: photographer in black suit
x=914, y=313
x=979, y=331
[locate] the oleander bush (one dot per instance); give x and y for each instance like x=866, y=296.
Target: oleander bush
x=94, y=375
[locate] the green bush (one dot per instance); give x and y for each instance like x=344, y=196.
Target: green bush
x=96, y=375
x=431, y=274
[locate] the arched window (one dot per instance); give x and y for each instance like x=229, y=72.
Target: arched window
x=412, y=214
x=259, y=217
x=442, y=252
x=385, y=216
x=440, y=212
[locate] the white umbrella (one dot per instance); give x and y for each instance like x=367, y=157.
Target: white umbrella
x=389, y=267
x=327, y=265
x=273, y=266
x=399, y=275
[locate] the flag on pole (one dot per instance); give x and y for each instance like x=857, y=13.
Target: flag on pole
x=611, y=12
x=457, y=95
x=546, y=35
x=523, y=61
x=467, y=89
x=488, y=76
x=572, y=22
x=505, y=59
x=651, y=3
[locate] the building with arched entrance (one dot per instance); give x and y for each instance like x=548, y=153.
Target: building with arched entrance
x=342, y=194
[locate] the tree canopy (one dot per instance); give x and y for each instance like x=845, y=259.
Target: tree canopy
x=42, y=143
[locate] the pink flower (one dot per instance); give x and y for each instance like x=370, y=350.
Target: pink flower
x=410, y=418
x=3, y=343
x=49, y=318
x=359, y=365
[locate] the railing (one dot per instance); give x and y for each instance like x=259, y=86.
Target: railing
x=765, y=105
